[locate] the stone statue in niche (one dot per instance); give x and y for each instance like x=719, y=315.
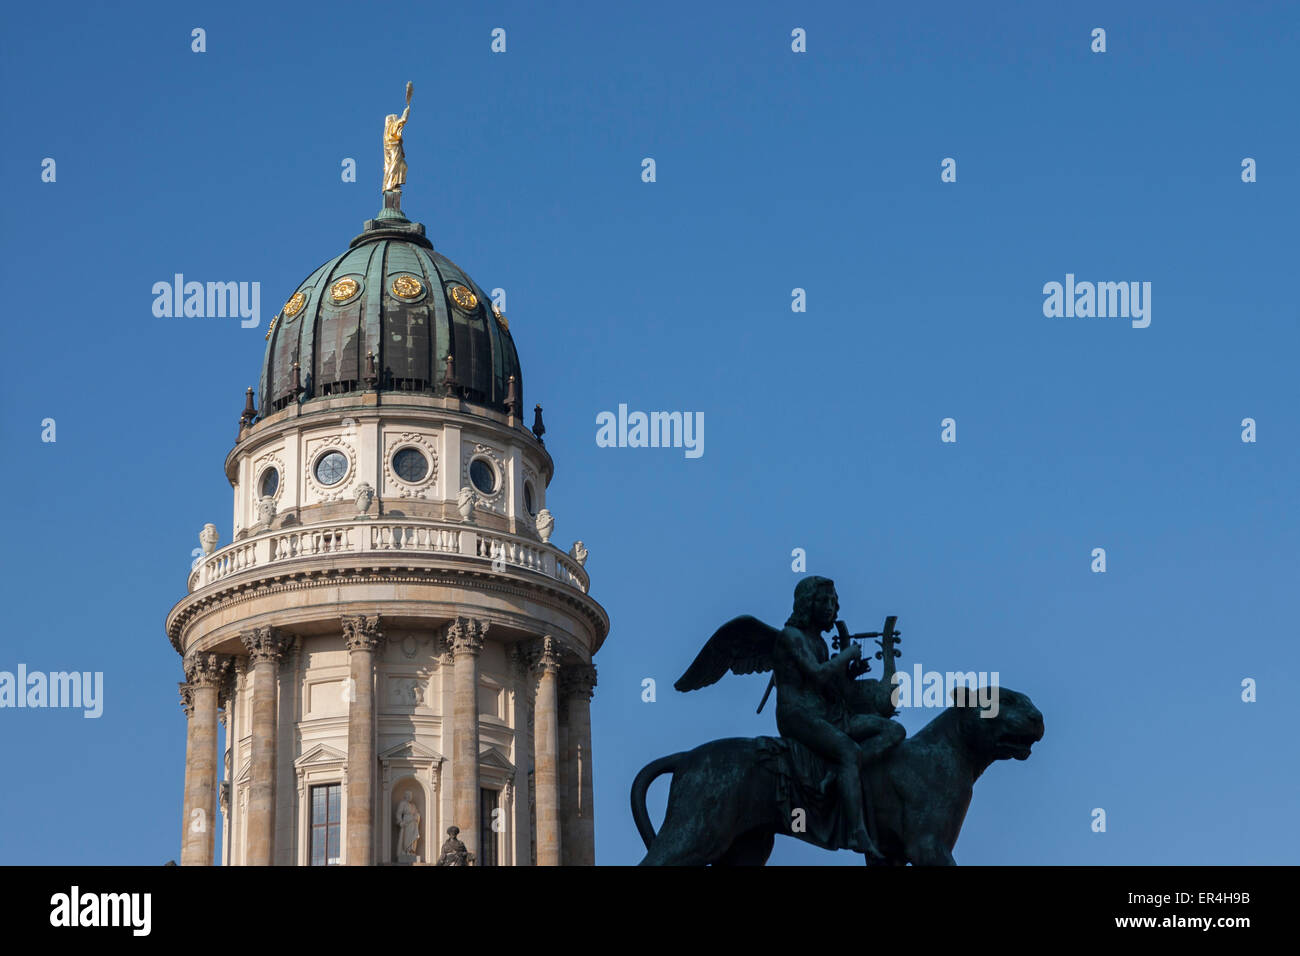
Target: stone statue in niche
x=408, y=826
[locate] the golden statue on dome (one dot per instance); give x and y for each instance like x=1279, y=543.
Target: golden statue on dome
x=394, y=154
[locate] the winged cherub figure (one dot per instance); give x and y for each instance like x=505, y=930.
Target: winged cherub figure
x=818, y=701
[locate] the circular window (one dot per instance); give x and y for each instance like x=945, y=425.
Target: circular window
x=483, y=476
x=529, y=504
x=410, y=465
x=331, y=467
x=270, y=483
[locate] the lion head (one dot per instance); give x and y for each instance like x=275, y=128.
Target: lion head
x=1009, y=729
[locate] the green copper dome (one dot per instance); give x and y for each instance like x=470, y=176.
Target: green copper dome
x=392, y=297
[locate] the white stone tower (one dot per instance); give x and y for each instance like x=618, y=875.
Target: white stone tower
x=391, y=642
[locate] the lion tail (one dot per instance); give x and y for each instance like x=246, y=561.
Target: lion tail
x=649, y=773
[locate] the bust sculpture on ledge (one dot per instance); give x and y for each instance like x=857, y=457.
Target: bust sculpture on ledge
x=453, y=850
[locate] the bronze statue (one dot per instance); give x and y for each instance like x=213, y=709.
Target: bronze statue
x=895, y=800
x=818, y=701
x=394, y=154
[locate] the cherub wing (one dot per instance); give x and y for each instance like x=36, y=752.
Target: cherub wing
x=742, y=646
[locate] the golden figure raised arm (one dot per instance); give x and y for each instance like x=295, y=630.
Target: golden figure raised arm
x=394, y=155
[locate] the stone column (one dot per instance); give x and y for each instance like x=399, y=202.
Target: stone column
x=546, y=741
x=265, y=645
x=187, y=705
x=579, y=683
x=226, y=702
x=465, y=639
x=203, y=672
x=363, y=638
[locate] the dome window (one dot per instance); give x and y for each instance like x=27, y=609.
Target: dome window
x=270, y=483
x=483, y=476
x=331, y=467
x=530, y=503
x=410, y=465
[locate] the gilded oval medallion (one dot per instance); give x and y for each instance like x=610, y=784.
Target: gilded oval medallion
x=344, y=289
x=294, y=305
x=406, y=287
x=463, y=297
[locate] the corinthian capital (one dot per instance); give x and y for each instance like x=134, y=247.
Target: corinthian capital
x=187, y=698
x=465, y=635
x=206, y=669
x=579, y=681
x=264, y=644
x=546, y=656
x=362, y=633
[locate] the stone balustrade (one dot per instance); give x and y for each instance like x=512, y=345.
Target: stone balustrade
x=497, y=550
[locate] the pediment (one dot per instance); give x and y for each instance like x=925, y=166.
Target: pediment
x=320, y=754
x=411, y=750
x=491, y=757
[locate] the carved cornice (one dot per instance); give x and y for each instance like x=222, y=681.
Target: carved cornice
x=307, y=578
x=579, y=681
x=206, y=670
x=363, y=632
x=264, y=644
x=465, y=635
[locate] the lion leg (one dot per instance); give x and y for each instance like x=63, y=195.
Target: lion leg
x=749, y=849
x=687, y=839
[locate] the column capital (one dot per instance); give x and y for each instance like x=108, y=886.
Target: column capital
x=363, y=632
x=579, y=681
x=465, y=635
x=264, y=644
x=206, y=669
x=187, y=698
x=547, y=656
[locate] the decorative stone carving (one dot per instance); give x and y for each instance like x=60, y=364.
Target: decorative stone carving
x=466, y=635
x=187, y=698
x=363, y=633
x=548, y=655
x=579, y=681
x=579, y=553
x=465, y=504
x=209, y=537
x=206, y=670
x=266, y=507
x=264, y=644
x=545, y=524
x=365, y=497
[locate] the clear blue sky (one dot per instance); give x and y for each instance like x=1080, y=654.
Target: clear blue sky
x=775, y=171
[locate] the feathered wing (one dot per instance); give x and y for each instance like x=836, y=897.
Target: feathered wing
x=743, y=646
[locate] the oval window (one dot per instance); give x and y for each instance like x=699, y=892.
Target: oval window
x=270, y=483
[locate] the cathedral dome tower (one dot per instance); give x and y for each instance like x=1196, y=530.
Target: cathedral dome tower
x=390, y=644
